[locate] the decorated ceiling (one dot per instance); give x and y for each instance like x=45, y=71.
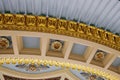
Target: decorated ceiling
x=59, y=40
x=100, y=13
x=39, y=69
x=14, y=78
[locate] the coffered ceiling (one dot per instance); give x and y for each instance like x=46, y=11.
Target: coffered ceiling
x=74, y=58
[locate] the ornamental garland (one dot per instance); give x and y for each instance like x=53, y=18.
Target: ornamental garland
x=58, y=64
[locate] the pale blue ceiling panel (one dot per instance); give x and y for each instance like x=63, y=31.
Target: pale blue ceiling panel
x=31, y=42
x=78, y=49
x=116, y=62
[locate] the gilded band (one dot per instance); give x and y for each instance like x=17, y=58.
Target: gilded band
x=58, y=26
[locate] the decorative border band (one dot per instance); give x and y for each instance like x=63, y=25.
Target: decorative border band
x=58, y=26
x=58, y=64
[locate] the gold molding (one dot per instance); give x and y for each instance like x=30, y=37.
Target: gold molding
x=57, y=64
x=58, y=26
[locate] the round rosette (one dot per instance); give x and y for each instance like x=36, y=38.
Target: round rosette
x=56, y=46
x=99, y=56
x=4, y=43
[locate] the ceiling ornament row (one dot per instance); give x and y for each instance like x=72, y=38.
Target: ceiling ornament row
x=59, y=64
x=58, y=26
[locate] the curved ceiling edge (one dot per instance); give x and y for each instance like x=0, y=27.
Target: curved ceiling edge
x=58, y=26
x=101, y=72
x=53, y=74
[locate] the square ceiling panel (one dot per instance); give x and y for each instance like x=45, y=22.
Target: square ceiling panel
x=78, y=49
x=100, y=55
x=78, y=52
x=6, y=46
x=5, y=42
x=115, y=66
x=101, y=58
x=56, y=45
x=31, y=42
x=55, y=48
x=116, y=62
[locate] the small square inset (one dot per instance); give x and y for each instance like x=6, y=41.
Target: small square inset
x=29, y=45
x=55, y=48
x=115, y=66
x=6, y=46
x=78, y=52
x=5, y=42
x=31, y=42
x=78, y=49
x=101, y=58
x=56, y=45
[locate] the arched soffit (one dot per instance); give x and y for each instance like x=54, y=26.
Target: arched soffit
x=42, y=55
x=108, y=75
x=58, y=26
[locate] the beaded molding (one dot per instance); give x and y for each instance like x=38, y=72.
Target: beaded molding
x=58, y=64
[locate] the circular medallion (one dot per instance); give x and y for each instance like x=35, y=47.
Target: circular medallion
x=32, y=68
x=4, y=43
x=56, y=45
x=99, y=56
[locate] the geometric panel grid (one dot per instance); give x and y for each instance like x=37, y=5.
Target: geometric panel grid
x=78, y=49
x=29, y=45
x=31, y=42
x=78, y=52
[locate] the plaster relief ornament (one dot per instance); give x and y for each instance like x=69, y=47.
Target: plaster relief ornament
x=56, y=45
x=89, y=76
x=4, y=42
x=99, y=56
x=32, y=67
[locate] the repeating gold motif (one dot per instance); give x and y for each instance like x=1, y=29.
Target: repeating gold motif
x=41, y=21
x=58, y=64
x=8, y=19
x=20, y=20
x=30, y=20
x=52, y=25
x=72, y=26
x=95, y=32
x=58, y=26
x=80, y=29
x=62, y=24
x=1, y=19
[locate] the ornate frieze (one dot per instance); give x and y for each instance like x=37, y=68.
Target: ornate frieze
x=58, y=26
x=9, y=19
x=20, y=20
x=30, y=20
x=32, y=62
x=1, y=19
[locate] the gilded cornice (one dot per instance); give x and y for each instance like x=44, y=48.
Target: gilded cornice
x=59, y=64
x=58, y=26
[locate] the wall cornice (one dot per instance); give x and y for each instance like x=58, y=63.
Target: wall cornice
x=21, y=22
